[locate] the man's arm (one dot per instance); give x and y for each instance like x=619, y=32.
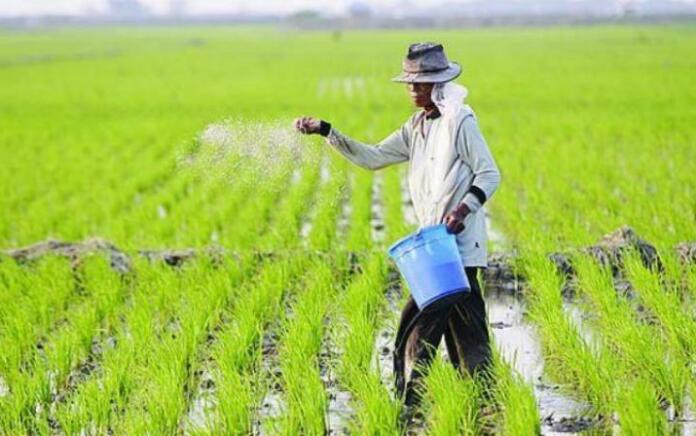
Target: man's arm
x=393, y=149
x=476, y=154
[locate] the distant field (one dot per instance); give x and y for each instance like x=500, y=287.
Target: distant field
x=279, y=321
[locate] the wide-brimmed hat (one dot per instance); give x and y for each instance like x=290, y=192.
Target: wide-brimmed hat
x=426, y=63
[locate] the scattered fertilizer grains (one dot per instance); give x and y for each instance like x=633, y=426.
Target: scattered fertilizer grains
x=231, y=275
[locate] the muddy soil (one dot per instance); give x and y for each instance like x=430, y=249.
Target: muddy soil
x=610, y=250
x=407, y=209
x=202, y=393
x=520, y=346
x=4, y=389
x=309, y=217
x=377, y=208
x=339, y=411
x=386, y=335
x=346, y=209
x=73, y=251
x=49, y=58
x=273, y=403
x=515, y=337
x=687, y=252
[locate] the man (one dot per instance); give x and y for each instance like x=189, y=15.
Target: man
x=451, y=175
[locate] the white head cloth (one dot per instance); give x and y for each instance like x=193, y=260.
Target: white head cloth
x=449, y=98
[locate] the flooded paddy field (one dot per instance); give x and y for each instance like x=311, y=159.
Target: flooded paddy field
x=177, y=260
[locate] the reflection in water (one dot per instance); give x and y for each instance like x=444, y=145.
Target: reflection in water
x=519, y=345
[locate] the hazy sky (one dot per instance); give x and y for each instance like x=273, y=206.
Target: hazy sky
x=79, y=7
x=32, y=7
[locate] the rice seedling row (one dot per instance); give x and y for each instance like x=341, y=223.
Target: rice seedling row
x=109, y=160
x=44, y=375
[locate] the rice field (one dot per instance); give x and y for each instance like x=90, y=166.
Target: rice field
x=177, y=260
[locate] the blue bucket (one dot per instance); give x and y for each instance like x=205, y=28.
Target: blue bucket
x=429, y=261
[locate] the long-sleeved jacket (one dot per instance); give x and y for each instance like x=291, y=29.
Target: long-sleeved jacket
x=449, y=163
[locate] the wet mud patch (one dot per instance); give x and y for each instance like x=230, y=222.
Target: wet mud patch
x=74, y=251
x=340, y=411
x=687, y=252
x=495, y=238
x=520, y=346
x=4, y=388
x=343, y=220
x=407, y=208
x=273, y=404
x=609, y=252
x=572, y=425
x=386, y=335
x=48, y=58
x=500, y=275
x=202, y=402
x=310, y=215
x=686, y=421
x=85, y=369
x=201, y=390
x=377, y=209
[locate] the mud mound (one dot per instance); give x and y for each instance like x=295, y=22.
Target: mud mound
x=121, y=261
x=609, y=252
x=74, y=251
x=500, y=274
x=687, y=252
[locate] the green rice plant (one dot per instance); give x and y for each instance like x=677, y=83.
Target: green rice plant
x=637, y=402
x=323, y=233
x=305, y=395
x=160, y=397
x=97, y=403
x=34, y=299
x=100, y=163
x=582, y=368
x=396, y=226
x=640, y=347
x=359, y=231
x=518, y=408
x=291, y=210
x=452, y=401
x=374, y=411
x=294, y=209
x=238, y=349
x=623, y=348
x=662, y=300
x=44, y=375
x=690, y=282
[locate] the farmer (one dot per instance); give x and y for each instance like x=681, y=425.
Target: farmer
x=451, y=174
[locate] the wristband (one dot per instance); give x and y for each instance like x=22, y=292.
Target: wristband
x=324, y=128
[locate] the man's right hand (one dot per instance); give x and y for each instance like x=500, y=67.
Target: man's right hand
x=307, y=125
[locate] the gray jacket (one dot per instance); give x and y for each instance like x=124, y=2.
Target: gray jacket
x=449, y=163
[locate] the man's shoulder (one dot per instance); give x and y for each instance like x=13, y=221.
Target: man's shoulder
x=465, y=112
x=411, y=121
x=465, y=115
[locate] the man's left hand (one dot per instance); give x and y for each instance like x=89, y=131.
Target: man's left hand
x=454, y=221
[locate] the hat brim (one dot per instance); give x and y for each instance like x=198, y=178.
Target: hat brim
x=452, y=72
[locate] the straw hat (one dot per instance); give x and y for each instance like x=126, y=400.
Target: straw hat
x=426, y=63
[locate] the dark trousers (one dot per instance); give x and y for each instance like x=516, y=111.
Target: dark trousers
x=461, y=318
